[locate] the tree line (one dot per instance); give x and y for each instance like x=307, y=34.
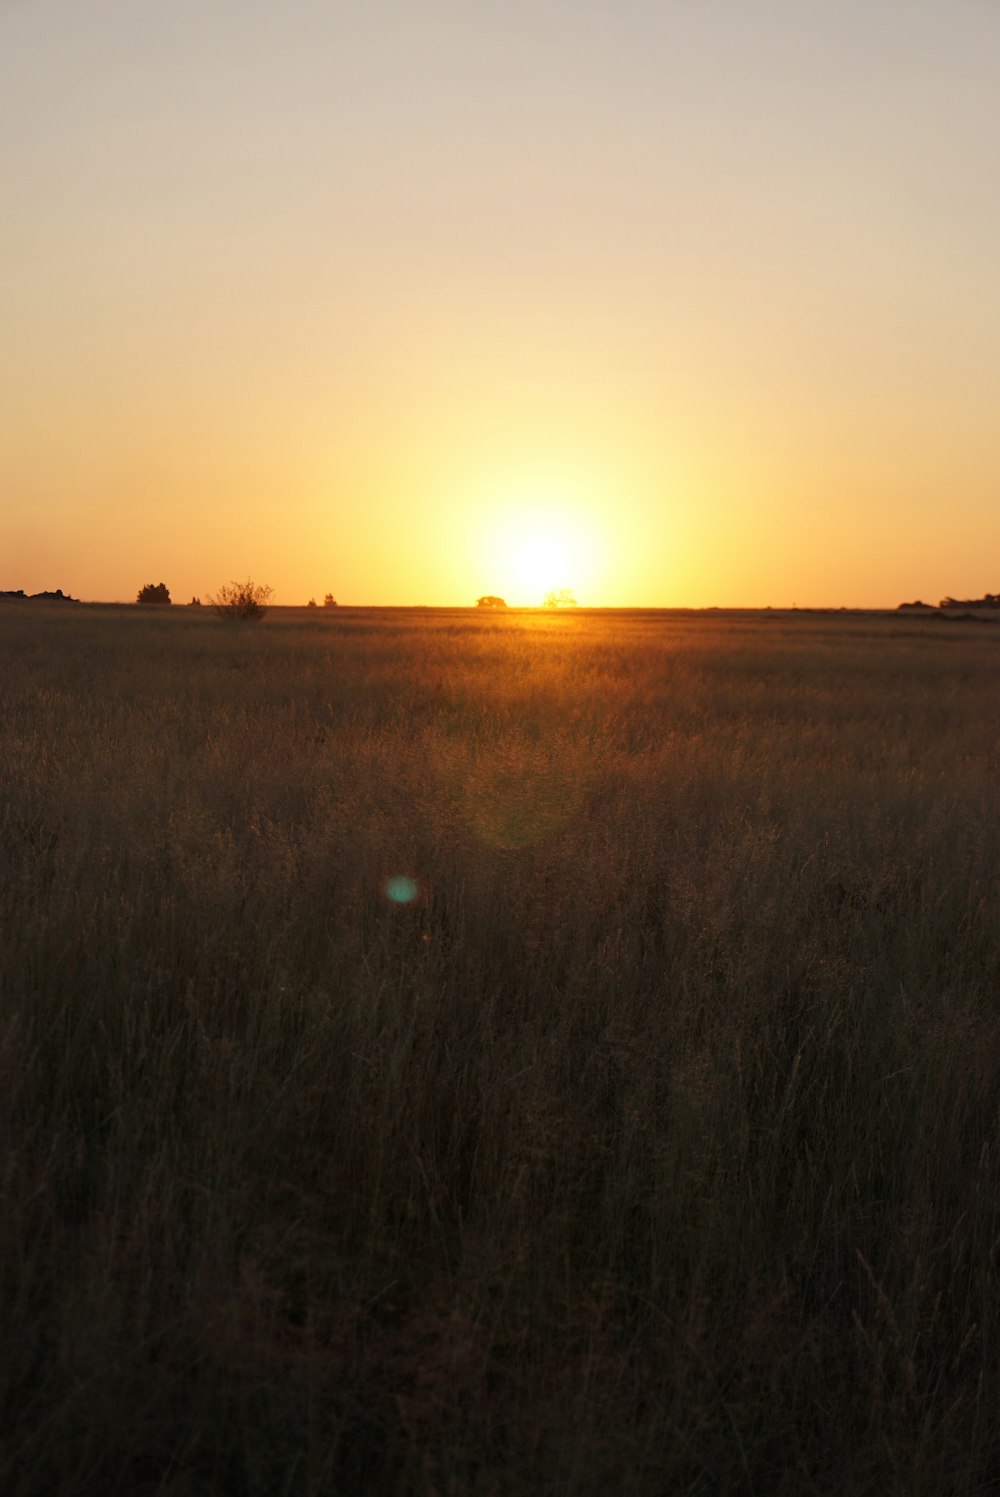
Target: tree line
x=235, y=600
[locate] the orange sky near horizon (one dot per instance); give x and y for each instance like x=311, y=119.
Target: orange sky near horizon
x=671, y=305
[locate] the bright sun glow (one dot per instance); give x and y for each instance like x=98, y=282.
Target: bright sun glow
x=542, y=564
x=536, y=546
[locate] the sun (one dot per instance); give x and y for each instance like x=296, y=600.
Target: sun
x=542, y=563
x=535, y=546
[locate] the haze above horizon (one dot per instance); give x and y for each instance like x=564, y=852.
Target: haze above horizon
x=670, y=305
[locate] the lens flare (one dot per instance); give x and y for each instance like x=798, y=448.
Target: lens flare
x=401, y=889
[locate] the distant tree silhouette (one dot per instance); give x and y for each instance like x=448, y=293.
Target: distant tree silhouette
x=489, y=601
x=49, y=597
x=242, y=600
x=153, y=592
x=561, y=599
x=988, y=600
x=195, y=603
x=311, y=603
x=329, y=601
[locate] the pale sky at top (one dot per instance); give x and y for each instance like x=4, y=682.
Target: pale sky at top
x=368, y=297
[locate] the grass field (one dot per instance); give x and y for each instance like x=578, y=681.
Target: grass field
x=652, y=1146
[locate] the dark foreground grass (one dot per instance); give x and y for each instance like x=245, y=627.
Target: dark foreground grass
x=653, y=1148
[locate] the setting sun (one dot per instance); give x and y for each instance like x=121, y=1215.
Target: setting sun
x=531, y=547
x=542, y=564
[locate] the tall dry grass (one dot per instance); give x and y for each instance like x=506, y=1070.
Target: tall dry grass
x=654, y=1147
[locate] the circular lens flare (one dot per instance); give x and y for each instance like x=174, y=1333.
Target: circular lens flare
x=401, y=889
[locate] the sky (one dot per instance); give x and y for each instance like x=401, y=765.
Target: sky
x=684, y=303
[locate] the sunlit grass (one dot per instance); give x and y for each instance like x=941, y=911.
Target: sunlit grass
x=446, y=1053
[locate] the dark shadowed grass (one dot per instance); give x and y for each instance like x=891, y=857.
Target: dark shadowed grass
x=653, y=1147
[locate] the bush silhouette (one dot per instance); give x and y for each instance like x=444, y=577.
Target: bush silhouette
x=988, y=600
x=311, y=603
x=153, y=592
x=242, y=600
x=490, y=601
x=329, y=601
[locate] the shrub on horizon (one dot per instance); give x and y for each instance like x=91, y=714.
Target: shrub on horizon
x=242, y=600
x=329, y=601
x=153, y=592
x=988, y=600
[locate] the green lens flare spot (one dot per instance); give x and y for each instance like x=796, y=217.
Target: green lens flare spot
x=400, y=889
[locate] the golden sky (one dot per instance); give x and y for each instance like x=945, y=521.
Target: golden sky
x=670, y=303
